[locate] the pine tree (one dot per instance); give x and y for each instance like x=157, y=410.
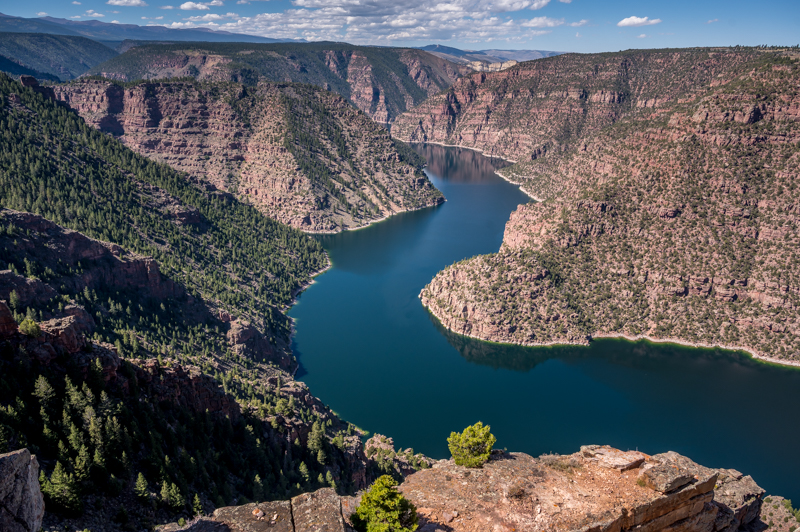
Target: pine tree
x=197, y=506
x=304, y=471
x=61, y=491
x=140, y=489
x=258, y=489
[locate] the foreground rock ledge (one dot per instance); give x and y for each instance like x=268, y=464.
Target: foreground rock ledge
x=599, y=489
x=21, y=502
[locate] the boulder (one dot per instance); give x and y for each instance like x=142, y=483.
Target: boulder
x=320, y=511
x=21, y=501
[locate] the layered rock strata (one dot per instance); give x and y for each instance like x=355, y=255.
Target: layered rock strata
x=382, y=83
x=678, y=222
x=302, y=156
x=598, y=489
x=538, y=106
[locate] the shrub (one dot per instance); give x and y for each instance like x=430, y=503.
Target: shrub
x=384, y=509
x=30, y=328
x=472, y=447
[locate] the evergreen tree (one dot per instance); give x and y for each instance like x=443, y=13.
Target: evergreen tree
x=140, y=489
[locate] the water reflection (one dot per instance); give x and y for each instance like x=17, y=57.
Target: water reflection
x=458, y=165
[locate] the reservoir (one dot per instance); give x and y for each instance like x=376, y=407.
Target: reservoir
x=370, y=351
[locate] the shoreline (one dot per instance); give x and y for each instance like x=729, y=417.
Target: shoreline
x=759, y=357
x=527, y=193
x=371, y=222
x=512, y=161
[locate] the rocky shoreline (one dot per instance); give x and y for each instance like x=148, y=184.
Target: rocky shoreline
x=631, y=338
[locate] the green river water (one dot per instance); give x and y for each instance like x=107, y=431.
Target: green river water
x=370, y=351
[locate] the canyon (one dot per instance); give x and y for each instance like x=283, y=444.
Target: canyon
x=303, y=156
x=669, y=217
x=382, y=82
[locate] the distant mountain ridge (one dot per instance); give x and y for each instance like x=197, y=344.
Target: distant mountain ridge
x=485, y=56
x=109, y=32
x=51, y=57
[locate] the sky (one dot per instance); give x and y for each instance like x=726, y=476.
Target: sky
x=561, y=25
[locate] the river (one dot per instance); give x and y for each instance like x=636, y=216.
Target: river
x=370, y=351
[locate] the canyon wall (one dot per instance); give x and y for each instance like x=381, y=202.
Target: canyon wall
x=676, y=221
x=302, y=156
x=382, y=82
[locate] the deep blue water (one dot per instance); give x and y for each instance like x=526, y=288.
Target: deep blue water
x=372, y=352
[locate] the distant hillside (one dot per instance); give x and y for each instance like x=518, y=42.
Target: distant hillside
x=63, y=56
x=382, y=82
x=11, y=67
x=301, y=155
x=485, y=56
x=109, y=32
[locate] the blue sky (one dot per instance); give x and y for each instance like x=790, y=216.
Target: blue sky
x=565, y=25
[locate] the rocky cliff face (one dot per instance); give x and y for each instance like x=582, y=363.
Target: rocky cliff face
x=383, y=83
x=302, y=156
x=21, y=502
x=597, y=489
x=677, y=222
x=538, y=106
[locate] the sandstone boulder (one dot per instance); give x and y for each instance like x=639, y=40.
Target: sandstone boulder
x=21, y=502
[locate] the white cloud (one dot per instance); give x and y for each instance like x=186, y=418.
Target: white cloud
x=213, y=16
x=580, y=23
x=386, y=22
x=75, y=3
x=115, y=22
x=215, y=3
x=167, y=7
x=578, y=35
x=41, y=14
x=543, y=22
x=642, y=36
x=565, y=1
x=637, y=21
x=92, y=13
x=713, y=20
x=127, y=3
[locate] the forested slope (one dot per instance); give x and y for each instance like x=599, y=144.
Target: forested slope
x=143, y=366
x=300, y=154
x=63, y=56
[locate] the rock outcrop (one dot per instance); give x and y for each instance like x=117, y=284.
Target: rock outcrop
x=677, y=222
x=302, y=156
x=599, y=489
x=21, y=501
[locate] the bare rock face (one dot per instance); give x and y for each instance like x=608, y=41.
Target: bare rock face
x=320, y=511
x=21, y=501
x=186, y=387
x=249, y=342
x=302, y=156
x=597, y=489
x=102, y=264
